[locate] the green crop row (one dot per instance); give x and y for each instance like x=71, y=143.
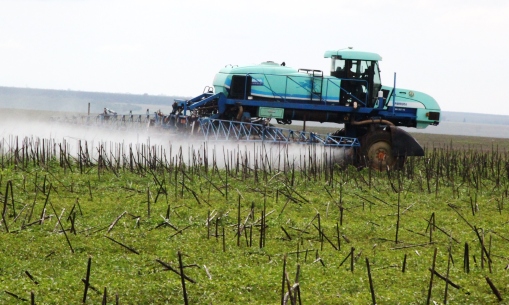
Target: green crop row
x=145, y=227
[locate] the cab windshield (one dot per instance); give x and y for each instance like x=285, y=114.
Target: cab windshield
x=364, y=72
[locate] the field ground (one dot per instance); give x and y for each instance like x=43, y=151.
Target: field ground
x=252, y=229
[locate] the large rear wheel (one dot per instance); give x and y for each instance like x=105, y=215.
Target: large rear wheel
x=376, y=151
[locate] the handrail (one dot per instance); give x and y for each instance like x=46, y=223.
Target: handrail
x=312, y=70
x=330, y=80
x=294, y=80
x=310, y=91
x=275, y=94
x=265, y=77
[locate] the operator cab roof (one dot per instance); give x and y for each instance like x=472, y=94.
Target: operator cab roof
x=352, y=54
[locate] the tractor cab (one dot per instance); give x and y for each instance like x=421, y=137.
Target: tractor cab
x=359, y=74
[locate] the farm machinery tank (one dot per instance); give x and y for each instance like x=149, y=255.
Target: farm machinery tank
x=245, y=98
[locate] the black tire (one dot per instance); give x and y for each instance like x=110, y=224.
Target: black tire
x=376, y=151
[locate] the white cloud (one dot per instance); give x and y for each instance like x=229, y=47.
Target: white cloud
x=12, y=45
x=119, y=48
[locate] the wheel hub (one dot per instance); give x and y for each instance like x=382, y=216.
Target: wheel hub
x=381, y=155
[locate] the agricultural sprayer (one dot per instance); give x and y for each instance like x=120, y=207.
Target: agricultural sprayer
x=244, y=100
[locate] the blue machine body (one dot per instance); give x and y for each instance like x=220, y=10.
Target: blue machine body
x=351, y=93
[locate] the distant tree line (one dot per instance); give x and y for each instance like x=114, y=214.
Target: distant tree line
x=475, y=118
x=77, y=101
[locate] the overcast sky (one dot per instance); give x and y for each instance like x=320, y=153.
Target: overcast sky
x=455, y=50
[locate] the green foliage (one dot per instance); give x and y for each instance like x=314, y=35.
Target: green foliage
x=436, y=202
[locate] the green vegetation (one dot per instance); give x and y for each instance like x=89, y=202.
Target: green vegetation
x=132, y=211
